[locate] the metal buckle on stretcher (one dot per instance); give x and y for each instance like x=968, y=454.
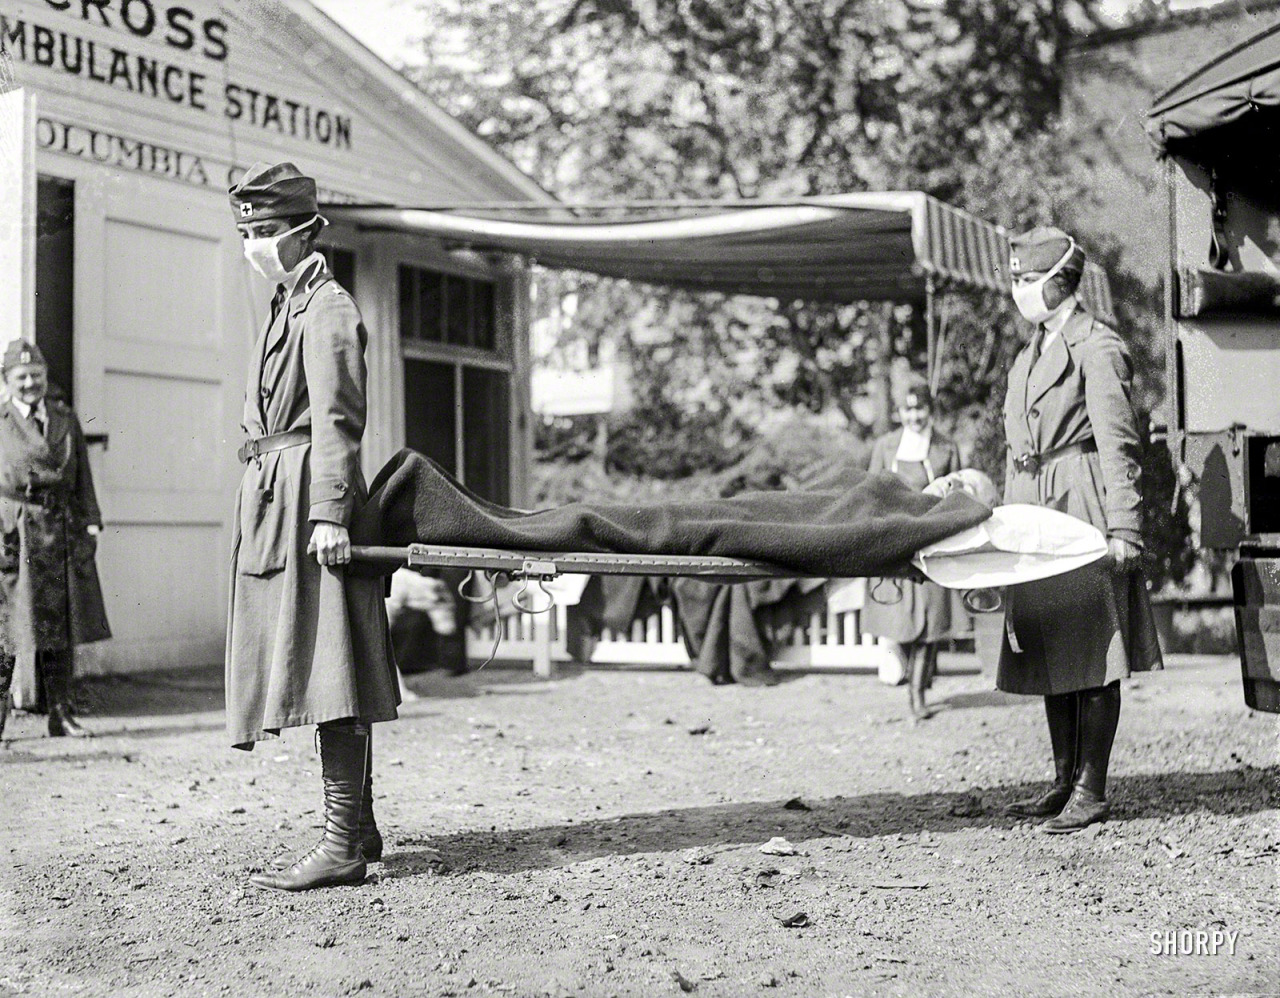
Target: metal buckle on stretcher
x=538, y=572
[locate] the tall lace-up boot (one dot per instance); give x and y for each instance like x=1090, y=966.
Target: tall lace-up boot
x=337, y=858
x=370, y=837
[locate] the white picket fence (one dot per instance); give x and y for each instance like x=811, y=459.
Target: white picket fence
x=819, y=640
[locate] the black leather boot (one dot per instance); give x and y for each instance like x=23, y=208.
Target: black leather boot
x=56, y=668
x=6, y=680
x=1099, y=717
x=337, y=858
x=370, y=837
x=1062, y=712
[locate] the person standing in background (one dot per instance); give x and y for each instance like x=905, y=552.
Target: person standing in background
x=50, y=596
x=911, y=627
x=1073, y=445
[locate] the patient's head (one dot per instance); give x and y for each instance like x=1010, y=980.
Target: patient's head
x=968, y=480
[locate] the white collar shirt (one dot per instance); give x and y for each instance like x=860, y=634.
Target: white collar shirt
x=1054, y=324
x=24, y=410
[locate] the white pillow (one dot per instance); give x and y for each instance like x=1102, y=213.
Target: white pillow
x=1020, y=543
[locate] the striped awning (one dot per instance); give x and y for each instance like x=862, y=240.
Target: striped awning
x=893, y=246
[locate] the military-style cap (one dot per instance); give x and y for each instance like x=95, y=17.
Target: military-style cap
x=1040, y=249
x=20, y=352
x=915, y=394
x=280, y=191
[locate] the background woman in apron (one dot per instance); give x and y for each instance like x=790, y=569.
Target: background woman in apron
x=912, y=626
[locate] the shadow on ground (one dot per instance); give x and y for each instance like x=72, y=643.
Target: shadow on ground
x=986, y=698
x=1230, y=792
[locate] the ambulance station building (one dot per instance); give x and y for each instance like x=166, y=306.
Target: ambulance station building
x=122, y=123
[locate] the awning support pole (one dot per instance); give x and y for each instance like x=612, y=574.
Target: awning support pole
x=882, y=372
x=931, y=333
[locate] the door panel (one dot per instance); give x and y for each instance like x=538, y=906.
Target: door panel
x=153, y=370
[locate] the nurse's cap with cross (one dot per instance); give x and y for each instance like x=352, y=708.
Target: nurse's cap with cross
x=279, y=191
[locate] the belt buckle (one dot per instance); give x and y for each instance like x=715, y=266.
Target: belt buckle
x=250, y=450
x=1029, y=463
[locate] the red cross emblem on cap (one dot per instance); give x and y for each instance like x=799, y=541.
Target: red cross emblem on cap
x=246, y=209
x=24, y=357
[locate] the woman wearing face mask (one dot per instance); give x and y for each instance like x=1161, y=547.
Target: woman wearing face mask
x=306, y=644
x=50, y=599
x=911, y=626
x=1073, y=445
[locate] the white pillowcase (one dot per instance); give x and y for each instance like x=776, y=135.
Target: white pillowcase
x=1020, y=543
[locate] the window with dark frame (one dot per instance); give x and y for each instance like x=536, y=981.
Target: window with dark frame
x=457, y=406
x=436, y=307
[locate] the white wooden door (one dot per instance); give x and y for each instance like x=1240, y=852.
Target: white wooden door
x=167, y=323
x=17, y=216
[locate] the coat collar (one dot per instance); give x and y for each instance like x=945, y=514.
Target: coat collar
x=1052, y=364
x=57, y=424
x=313, y=273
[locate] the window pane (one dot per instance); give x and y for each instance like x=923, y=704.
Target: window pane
x=408, y=298
x=486, y=421
x=445, y=308
x=457, y=308
x=430, y=411
x=431, y=306
x=482, y=315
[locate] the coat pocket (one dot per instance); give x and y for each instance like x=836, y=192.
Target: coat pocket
x=265, y=534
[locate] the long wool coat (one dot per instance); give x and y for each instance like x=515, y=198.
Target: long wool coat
x=924, y=611
x=50, y=597
x=305, y=644
x=1089, y=627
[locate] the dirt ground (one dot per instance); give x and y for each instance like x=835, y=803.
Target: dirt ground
x=600, y=835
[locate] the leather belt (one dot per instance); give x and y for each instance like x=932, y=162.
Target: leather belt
x=1032, y=464
x=258, y=446
x=37, y=497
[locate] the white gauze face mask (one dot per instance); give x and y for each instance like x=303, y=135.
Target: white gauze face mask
x=1029, y=298
x=264, y=254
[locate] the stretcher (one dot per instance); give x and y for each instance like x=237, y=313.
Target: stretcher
x=535, y=568
x=538, y=567
x=548, y=564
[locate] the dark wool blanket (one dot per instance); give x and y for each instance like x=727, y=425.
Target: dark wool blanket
x=870, y=526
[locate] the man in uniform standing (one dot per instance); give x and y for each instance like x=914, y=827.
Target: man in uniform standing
x=50, y=597
x=306, y=644
x=1073, y=445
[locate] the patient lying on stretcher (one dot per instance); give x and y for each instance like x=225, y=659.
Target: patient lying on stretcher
x=970, y=481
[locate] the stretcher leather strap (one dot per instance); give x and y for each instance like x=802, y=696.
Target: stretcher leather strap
x=1033, y=463
x=251, y=449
